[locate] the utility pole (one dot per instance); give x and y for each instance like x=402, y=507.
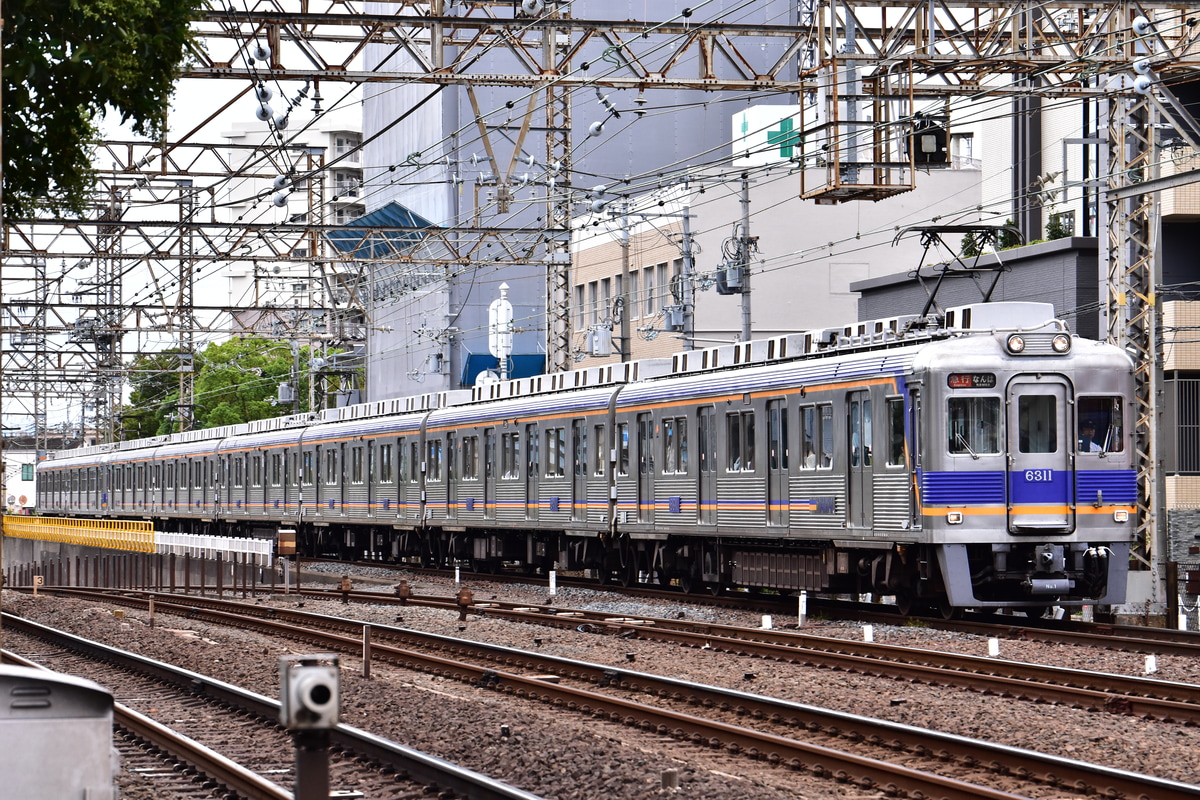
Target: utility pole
x=626, y=311
x=689, y=282
x=746, y=244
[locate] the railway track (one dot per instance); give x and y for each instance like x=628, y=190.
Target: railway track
x=216, y=727
x=834, y=744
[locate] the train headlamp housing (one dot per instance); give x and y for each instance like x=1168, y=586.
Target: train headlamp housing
x=954, y=517
x=1121, y=515
x=1015, y=343
x=1061, y=343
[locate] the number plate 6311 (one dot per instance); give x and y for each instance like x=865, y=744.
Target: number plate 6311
x=1039, y=475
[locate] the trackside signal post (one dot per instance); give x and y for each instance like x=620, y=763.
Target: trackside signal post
x=309, y=695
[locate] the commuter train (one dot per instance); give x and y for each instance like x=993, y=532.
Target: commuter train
x=934, y=459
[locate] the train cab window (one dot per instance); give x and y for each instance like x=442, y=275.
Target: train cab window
x=470, y=458
x=510, y=455
x=895, y=432
x=622, y=448
x=331, y=467
x=1037, y=421
x=1100, y=425
x=675, y=456
x=739, y=440
x=385, y=463
x=974, y=425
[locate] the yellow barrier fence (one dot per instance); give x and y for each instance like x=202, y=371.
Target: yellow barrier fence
x=114, y=534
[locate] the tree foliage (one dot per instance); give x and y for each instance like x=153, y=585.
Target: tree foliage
x=64, y=63
x=233, y=382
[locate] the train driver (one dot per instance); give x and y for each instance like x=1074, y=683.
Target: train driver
x=1087, y=437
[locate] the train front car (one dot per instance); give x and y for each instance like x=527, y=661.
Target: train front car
x=1026, y=482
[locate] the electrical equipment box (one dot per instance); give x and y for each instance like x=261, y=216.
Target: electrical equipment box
x=55, y=735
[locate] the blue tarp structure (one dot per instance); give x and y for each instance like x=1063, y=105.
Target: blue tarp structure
x=357, y=239
x=519, y=366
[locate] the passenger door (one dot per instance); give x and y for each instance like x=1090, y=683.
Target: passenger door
x=777, y=462
x=859, y=448
x=707, y=494
x=1039, y=464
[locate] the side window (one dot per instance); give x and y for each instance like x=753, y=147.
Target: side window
x=331, y=467
x=433, y=461
x=415, y=462
x=533, y=442
x=1100, y=425
x=307, y=469
x=826, y=414
x=385, y=463
x=598, y=459
x=674, y=445
x=622, y=448
x=777, y=435
x=556, y=452
x=258, y=471
x=356, y=465
x=739, y=441
x=276, y=469
x=579, y=444
x=470, y=458
x=510, y=455
x=974, y=425
x=895, y=432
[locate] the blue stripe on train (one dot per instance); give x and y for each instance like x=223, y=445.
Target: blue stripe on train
x=1118, y=486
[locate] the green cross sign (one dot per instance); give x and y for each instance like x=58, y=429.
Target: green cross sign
x=785, y=138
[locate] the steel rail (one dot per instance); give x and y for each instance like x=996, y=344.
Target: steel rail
x=1036, y=766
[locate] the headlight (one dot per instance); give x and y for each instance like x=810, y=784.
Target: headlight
x=954, y=517
x=1061, y=343
x=1015, y=344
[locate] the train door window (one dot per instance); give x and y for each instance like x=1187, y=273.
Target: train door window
x=826, y=422
x=401, y=460
x=306, y=469
x=256, y=470
x=385, y=463
x=276, y=469
x=169, y=480
x=470, y=458
x=974, y=425
x=534, y=444
x=706, y=440
x=777, y=435
x=433, y=470
x=451, y=455
x=739, y=440
x=157, y=478
x=860, y=432
x=895, y=432
x=331, y=466
x=356, y=465
x=675, y=455
x=579, y=446
x=598, y=457
x=1037, y=423
x=556, y=452
x=622, y=448
x=295, y=473
x=809, y=437
x=239, y=471
x=1100, y=424
x=415, y=462
x=510, y=455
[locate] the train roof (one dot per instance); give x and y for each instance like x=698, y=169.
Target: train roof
x=537, y=391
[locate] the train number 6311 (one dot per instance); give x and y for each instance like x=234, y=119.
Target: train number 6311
x=1039, y=475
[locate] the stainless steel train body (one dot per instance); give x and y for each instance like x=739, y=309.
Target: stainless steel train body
x=936, y=460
